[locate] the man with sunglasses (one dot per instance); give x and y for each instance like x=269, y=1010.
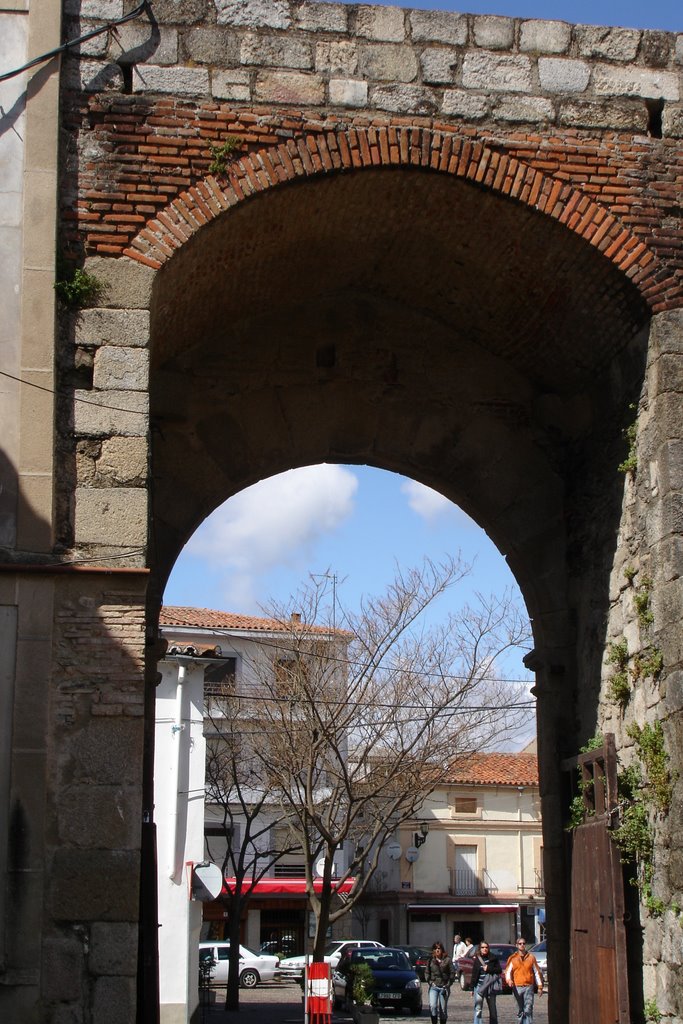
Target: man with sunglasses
x=523, y=974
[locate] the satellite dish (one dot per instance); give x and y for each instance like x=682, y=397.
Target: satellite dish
x=320, y=867
x=394, y=850
x=207, y=882
x=412, y=854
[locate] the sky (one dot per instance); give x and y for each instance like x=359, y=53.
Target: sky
x=662, y=14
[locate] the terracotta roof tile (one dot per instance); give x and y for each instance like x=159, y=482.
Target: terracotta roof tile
x=495, y=770
x=206, y=618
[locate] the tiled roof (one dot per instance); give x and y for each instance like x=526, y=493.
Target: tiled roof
x=495, y=770
x=206, y=618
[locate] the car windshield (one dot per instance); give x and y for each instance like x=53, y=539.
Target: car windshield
x=382, y=959
x=333, y=947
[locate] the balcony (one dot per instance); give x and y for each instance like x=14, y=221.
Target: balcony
x=465, y=882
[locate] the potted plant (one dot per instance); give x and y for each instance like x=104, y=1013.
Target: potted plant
x=362, y=983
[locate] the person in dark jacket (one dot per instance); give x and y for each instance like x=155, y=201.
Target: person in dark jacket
x=439, y=975
x=485, y=966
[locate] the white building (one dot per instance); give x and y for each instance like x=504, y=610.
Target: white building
x=472, y=863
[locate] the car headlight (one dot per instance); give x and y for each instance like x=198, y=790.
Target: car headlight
x=415, y=983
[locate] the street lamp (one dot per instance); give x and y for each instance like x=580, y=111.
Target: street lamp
x=421, y=836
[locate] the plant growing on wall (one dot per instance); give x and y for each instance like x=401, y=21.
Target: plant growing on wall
x=79, y=289
x=630, y=463
x=641, y=796
x=221, y=155
x=619, y=689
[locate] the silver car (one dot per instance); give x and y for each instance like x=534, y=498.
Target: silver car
x=292, y=967
x=254, y=967
x=540, y=951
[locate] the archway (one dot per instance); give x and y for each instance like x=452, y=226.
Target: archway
x=421, y=323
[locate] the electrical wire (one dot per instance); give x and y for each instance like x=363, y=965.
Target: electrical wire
x=70, y=43
x=83, y=401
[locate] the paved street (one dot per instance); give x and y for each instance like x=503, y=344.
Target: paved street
x=280, y=1003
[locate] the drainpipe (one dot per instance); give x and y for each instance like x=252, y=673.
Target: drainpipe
x=520, y=855
x=176, y=729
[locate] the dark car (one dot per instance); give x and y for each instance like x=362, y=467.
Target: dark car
x=418, y=956
x=503, y=950
x=395, y=983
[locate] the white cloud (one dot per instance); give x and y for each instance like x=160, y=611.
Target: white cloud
x=273, y=522
x=430, y=505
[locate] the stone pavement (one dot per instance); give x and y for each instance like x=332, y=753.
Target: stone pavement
x=280, y=1003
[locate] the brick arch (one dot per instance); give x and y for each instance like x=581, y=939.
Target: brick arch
x=415, y=147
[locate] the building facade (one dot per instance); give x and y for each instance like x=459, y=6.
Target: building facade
x=471, y=864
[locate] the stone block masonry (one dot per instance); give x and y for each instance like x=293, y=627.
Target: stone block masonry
x=597, y=108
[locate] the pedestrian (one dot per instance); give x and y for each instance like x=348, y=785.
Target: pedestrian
x=439, y=977
x=523, y=975
x=486, y=971
x=459, y=949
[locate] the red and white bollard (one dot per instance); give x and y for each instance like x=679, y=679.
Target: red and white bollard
x=318, y=994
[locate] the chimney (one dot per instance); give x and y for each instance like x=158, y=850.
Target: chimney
x=296, y=618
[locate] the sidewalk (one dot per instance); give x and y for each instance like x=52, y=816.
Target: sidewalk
x=280, y=1003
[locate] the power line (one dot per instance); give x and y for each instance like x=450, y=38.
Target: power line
x=83, y=401
x=110, y=26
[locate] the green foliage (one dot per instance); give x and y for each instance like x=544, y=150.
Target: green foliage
x=619, y=689
x=221, y=156
x=362, y=983
x=630, y=572
x=594, y=743
x=79, y=289
x=630, y=463
x=653, y=1014
x=642, y=602
x=639, y=796
x=648, y=664
x=617, y=653
x=650, y=746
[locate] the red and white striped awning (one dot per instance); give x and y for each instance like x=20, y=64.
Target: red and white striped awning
x=288, y=886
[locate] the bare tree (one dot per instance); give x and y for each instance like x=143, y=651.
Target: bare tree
x=245, y=817
x=358, y=730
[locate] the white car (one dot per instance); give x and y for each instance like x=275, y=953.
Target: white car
x=292, y=967
x=540, y=951
x=254, y=967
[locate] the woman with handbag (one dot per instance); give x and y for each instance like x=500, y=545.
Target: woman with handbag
x=486, y=982
x=439, y=975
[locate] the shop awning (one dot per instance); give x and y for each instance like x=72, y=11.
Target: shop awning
x=477, y=908
x=289, y=886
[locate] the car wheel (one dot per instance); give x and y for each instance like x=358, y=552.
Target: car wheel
x=463, y=983
x=249, y=979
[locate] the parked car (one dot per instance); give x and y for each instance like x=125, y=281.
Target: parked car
x=254, y=968
x=503, y=950
x=540, y=951
x=279, y=948
x=292, y=967
x=418, y=956
x=396, y=984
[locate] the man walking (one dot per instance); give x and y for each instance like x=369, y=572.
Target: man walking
x=522, y=973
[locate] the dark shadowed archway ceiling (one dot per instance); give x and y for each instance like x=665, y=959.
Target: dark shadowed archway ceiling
x=400, y=318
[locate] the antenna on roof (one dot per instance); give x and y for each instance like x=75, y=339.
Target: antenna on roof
x=330, y=576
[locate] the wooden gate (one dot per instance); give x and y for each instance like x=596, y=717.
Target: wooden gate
x=598, y=984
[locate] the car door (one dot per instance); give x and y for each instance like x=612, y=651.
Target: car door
x=222, y=955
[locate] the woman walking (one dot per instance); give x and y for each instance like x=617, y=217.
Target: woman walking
x=485, y=970
x=439, y=975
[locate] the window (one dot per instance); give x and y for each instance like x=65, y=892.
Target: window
x=219, y=679
x=465, y=805
x=290, y=674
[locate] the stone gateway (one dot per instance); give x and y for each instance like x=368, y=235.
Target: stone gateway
x=286, y=233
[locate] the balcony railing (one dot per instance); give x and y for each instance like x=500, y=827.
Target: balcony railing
x=465, y=882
